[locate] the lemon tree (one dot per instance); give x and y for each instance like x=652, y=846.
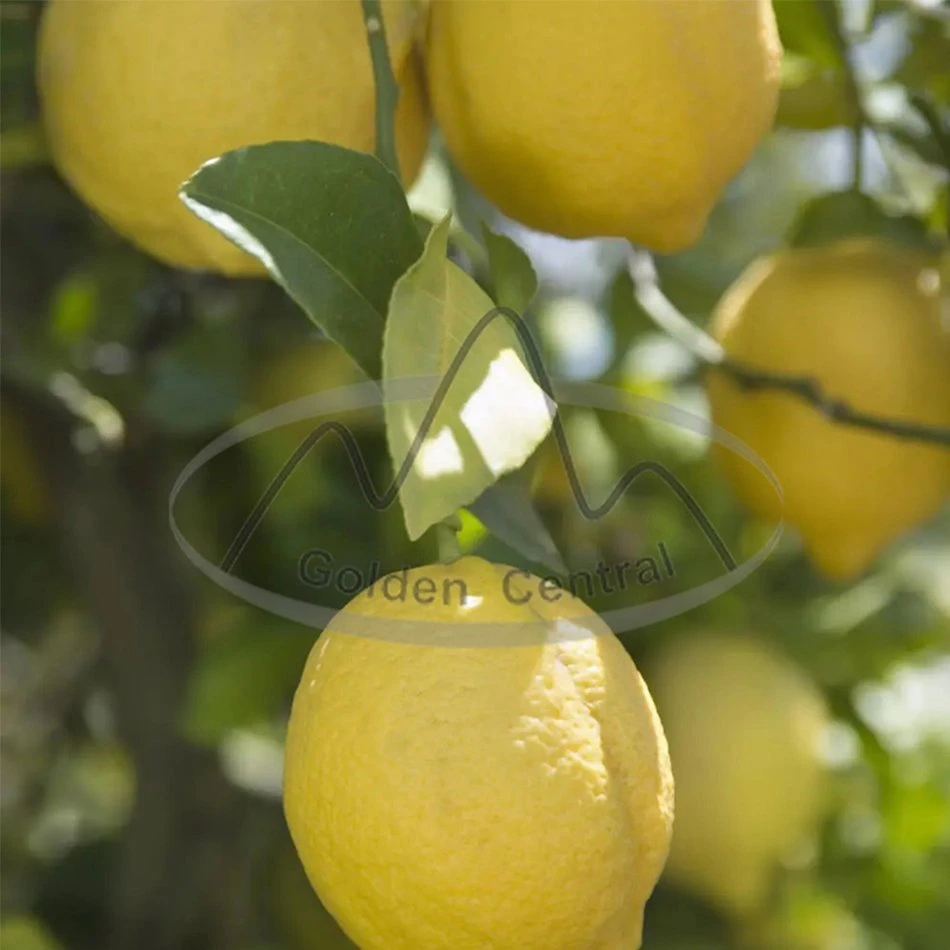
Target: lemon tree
x=472, y=758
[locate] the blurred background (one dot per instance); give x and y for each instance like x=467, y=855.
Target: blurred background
x=143, y=708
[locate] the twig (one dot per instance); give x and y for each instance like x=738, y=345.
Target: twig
x=387, y=90
x=665, y=315
x=832, y=14
x=447, y=532
x=940, y=130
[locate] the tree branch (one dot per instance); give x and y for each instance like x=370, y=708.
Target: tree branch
x=110, y=511
x=387, y=90
x=665, y=315
x=940, y=130
x=832, y=14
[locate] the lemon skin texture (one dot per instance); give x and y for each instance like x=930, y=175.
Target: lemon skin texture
x=138, y=95
x=510, y=795
x=744, y=727
x=593, y=118
x=868, y=322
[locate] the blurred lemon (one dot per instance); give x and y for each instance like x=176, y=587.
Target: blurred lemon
x=308, y=368
x=865, y=320
x=21, y=480
x=25, y=933
x=303, y=369
x=511, y=792
x=743, y=726
x=138, y=95
x=590, y=119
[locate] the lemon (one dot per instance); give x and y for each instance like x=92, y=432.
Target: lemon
x=589, y=118
x=306, y=368
x=21, y=932
x=138, y=95
x=743, y=726
x=22, y=481
x=869, y=323
x=477, y=765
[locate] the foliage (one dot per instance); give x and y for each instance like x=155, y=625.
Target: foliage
x=144, y=707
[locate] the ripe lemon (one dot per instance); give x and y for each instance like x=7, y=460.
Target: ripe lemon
x=743, y=726
x=868, y=322
x=591, y=118
x=137, y=95
x=476, y=766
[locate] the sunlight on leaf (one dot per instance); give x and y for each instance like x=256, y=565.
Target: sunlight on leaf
x=492, y=415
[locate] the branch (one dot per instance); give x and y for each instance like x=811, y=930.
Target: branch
x=387, y=90
x=940, y=130
x=665, y=315
x=110, y=515
x=832, y=14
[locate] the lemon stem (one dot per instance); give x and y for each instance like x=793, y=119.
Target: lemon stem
x=832, y=13
x=448, y=530
x=387, y=90
x=939, y=130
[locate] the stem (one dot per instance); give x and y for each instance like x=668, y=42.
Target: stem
x=832, y=15
x=940, y=130
x=448, y=530
x=387, y=89
x=665, y=315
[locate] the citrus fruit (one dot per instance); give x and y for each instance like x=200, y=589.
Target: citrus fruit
x=305, y=368
x=22, y=482
x=743, y=726
x=867, y=321
x=589, y=118
x=478, y=764
x=138, y=95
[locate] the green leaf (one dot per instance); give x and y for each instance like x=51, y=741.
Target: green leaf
x=491, y=416
x=331, y=225
x=513, y=277
x=924, y=69
x=241, y=680
x=508, y=511
x=805, y=29
x=197, y=385
x=18, y=65
x=848, y=214
x=627, y=318
x=813, y=98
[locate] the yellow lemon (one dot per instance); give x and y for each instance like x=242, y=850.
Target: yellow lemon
x=473, y=760
x=21, y=479
x=306, y=368
x=591, y=118
x=137, y=95
x=743, y=726
x=869, y=323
